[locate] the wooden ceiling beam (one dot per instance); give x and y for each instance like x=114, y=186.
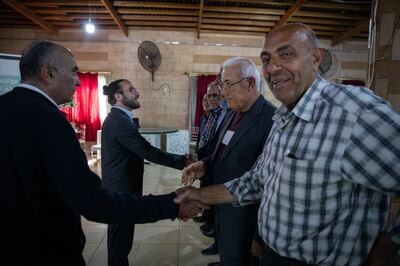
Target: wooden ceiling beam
x=115, y=16
x=239, y=22
x=351, y=7
x=154, y=5
x=17, y=21
x=16, y=16
x=360, y=27
x=53, y=3
x=161, y=24
x=201, y=6
x=71, y=11
x=290, y=12
x=256, y=2
x=235, y=28
x=326, y=27
x=234, y=32
x=81, y=23
x=72, y=17
x=339, y=22
x=162, y=28
x=328, y=15
x=279, y=12
x=241, y=16
x=99, y=22
x=30, y=15
x=366, y=7
x=158, y=18
x=128, y=11
x=261, y=11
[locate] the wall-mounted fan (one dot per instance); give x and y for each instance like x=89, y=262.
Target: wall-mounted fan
x=149, y=57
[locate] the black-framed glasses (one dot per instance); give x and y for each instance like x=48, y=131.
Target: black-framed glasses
x=213, y=95
x=227, y=85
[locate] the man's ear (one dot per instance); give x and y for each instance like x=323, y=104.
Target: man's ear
x=318, y=54
x=46, y=73
x=251, y=81
x=118, y=96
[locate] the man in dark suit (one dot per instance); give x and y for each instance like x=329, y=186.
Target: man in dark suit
x=122, y=166
x=240, y=142
x=46, y=183
x=206, y=148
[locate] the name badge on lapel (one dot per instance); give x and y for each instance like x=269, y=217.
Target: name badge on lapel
x=227, y=137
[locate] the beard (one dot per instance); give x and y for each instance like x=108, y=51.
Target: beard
x=132, y=104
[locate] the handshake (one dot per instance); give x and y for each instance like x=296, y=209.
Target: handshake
x=189, y=197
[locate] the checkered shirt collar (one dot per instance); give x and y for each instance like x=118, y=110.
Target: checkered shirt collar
x=305, y=107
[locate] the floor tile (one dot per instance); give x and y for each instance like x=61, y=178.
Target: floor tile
x=94, y=233
x=160, y=235
x=190, y=255
x=89, y=251
x=156, y=255
x=193, y=236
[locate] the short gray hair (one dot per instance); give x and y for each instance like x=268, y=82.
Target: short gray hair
x=248, y=69
x=35, y=56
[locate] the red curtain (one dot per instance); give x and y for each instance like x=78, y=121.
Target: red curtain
x=202, y=84
x=86, y=112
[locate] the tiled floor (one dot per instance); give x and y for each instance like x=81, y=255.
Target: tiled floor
x=169, y=243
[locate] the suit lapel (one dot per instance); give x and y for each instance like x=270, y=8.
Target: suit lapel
x=249, y=120
x=224, y=128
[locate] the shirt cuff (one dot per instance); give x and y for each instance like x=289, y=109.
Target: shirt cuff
x=231, y=188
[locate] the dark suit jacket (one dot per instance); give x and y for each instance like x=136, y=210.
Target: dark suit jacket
x=122, y=153
x=46, y=185
x=236, y=225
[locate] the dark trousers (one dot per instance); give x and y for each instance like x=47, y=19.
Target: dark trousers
x=271, y=258
x=119, y=243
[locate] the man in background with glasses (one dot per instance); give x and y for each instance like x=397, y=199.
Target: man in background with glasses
x=207, y=143
x=242, y=136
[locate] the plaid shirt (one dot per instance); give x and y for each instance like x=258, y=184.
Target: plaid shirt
x=325, y=174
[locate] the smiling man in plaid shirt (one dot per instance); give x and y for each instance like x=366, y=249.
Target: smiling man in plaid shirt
x=330, y=163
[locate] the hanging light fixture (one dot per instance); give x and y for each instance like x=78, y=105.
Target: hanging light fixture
x=89, y=27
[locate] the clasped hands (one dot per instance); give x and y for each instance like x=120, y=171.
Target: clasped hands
x=189, y=197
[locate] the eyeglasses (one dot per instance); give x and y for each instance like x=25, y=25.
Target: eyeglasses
x=214, y=95
x=227, y=85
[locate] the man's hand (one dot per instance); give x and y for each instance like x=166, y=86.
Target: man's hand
x=190, y=208
x=187, y=193
x=192, y=172
x=256, y=249
x=384, y=252
x=189, y=159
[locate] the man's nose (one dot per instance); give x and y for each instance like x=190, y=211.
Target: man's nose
x=273, y=66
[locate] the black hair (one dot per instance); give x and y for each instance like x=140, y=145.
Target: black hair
x=111, y=89
x=34, y=56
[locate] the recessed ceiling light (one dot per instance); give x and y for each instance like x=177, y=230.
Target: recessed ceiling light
x=89, y=27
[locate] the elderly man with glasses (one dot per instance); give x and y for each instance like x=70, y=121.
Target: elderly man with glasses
x=240, y=141
x=206, y=146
